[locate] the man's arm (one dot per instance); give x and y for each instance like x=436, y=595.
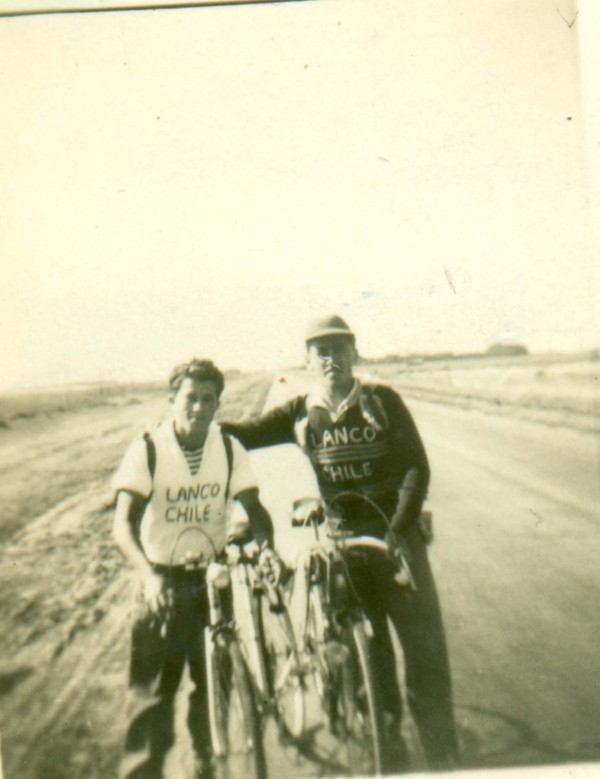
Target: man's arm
x=405, y=437
x=411, y=458
x=128, y=514
x=259, y=518
x=410, y=501
x=275, y=427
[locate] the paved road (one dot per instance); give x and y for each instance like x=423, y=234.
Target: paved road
x=516, y=560
x=516, y=511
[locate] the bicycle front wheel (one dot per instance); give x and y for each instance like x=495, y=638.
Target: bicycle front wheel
x=236, y=733
x=315, y=642
x=358, y=710
x=286, y=672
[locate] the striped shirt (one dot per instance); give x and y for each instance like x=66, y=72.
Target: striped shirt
x=194, y=458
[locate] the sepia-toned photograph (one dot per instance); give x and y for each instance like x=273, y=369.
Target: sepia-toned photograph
x=300, y=389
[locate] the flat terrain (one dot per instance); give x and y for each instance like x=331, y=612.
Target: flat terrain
x=516, y=509
x=556, y=389
x=64, y=591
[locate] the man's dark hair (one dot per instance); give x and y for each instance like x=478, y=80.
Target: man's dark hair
x=200, y=370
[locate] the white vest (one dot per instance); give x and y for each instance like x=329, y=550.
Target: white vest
x=186, y=514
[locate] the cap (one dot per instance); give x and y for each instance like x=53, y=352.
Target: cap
x=327, y=325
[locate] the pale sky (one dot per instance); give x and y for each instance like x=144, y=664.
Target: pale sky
x=198, y=182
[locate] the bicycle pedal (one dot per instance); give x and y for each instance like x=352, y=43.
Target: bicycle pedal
x=276, y=607
x=268, y=707
x=302, y=668
x=336, y=654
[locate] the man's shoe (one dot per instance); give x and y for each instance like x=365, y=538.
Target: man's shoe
x=444, y=763
x=395, y=753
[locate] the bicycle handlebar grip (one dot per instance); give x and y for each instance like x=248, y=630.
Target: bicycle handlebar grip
x=307, y=511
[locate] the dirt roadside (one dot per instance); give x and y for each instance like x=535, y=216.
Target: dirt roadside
x=64, y=587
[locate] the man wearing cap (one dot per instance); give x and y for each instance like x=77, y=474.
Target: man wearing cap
x=360, y=438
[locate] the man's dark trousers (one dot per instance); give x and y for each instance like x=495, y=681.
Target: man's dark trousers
x=159, y=650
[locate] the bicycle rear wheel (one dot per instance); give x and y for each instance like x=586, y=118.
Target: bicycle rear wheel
x=236, y=733
x=358, y=710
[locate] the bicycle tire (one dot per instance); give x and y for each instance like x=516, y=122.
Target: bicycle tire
x=315, y=642
x=358, y=706
x=251, y=635
x=235, y=727
x=286, y=678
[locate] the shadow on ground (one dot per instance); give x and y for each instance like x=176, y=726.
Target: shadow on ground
x=491, y=739
x=10, y=679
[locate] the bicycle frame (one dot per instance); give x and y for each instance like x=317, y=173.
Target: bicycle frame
x=216, y=634
x=336, y=637
x=234, y=721
x=326, y=566
x=272, y=657
x=247, y=590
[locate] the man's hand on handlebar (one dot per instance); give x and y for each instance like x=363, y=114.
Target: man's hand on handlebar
x=397, y=545
x=403, y=576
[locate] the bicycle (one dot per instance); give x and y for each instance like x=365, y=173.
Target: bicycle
x=234, y=719
x=337, y=635
x=267, y=637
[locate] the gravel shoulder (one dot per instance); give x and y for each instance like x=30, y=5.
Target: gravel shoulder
x=64, y=589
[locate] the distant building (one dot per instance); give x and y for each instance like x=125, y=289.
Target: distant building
x=507, y=350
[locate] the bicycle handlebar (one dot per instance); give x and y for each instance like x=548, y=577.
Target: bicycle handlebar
x=316, y=511
x=354, y=542
x=403, y=575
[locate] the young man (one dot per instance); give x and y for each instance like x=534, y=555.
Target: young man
x=172, y=493
x=361, y=439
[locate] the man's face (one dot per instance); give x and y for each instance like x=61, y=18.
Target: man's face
x=331, y=359
x=194, y=406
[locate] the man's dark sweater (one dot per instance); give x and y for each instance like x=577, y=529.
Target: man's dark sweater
x=365, y=448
